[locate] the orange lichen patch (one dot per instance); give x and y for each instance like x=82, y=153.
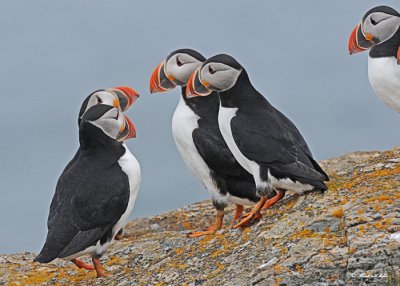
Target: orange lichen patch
x=343, y=201
x=380, y=198
x=328, y=229
x=385, y=172
x=38, y=277
x=186, y=225
x=383, y=223
x=179, y=250
x=112, y=261
x=291, y=204
x=338, y=212
x=278, y=268
x=351, y=250
x=183, y=266
x=299, y=269
x=362, y=229
x=278, y=280
x=398, y=195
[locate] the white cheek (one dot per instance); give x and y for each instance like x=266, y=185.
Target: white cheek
x=222, y=80
x=109, y=126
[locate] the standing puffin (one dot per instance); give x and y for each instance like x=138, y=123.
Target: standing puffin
x=96, y=194
x=379, y=31
x=263, y=140
x=200, y=142
x=121, y=97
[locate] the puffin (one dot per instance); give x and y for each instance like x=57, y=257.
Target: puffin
x=96, y=194
x=263, y=140
x=120, y=96
x=379, y=32
x=200, y=143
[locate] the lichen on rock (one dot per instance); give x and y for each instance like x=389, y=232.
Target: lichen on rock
x=348, y=236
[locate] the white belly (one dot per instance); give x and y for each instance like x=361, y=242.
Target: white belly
x=384, y=77
x=184, y=122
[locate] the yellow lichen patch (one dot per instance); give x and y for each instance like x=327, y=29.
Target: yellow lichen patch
x=278, y=281
x=114, y=260
x=216, y=253
x=182, y=266
x=338, y=212
x=343, y=201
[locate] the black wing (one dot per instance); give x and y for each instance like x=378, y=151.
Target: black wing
x=100, y=199
x=267, y=137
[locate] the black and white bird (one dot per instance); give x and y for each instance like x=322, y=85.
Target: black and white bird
x=121, y=97
x=263, y=140
x=199, y=140
x=379, y=31
x=96, y=194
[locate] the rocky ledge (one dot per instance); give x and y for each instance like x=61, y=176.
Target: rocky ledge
x=348, y=236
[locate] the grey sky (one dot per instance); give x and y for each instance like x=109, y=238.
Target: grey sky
x=54, y=53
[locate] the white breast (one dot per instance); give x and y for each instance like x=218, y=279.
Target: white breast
x=384, y=77
x=130, y=166
x=184, y=122
x=225, y=116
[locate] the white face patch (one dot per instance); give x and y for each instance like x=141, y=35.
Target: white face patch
x=220, y=76
x=101, y=97
x=381, y=26
x=181, y=66
x=111, y=123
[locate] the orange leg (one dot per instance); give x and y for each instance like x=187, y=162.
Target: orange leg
x=238, y=213
x=119, y=234
x=255, y=212
x=98, y=268
x=212, y=229
x=82, y=264
x=272, y=201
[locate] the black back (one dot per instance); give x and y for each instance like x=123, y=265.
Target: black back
x=90, y=196
x=263, y=134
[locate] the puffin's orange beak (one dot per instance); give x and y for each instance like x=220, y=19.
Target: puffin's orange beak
x=359, y=42
x=131, y=128
x=159, y=81
x=398, y=56
x=195, y=87
x=126, y=96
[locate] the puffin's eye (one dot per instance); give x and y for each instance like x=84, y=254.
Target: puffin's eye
x=178, y=62
x=211, y=70
x=99, y=100
x=373, y=22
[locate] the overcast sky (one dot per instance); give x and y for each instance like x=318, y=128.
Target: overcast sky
x=54, y=53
